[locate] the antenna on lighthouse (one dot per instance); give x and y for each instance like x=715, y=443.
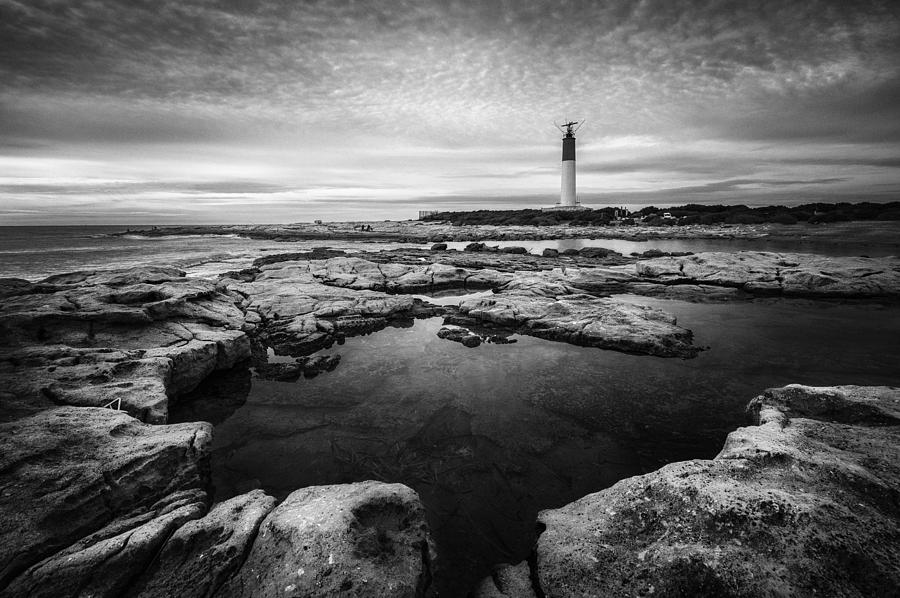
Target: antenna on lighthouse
x=569, y=127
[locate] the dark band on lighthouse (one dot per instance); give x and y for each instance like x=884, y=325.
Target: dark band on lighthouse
x=568, y=148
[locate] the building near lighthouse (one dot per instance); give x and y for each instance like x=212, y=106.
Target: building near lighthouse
x=568, y=199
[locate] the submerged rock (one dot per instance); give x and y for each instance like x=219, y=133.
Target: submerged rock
x=804, y=503
x=308, y=367
x=507, y=581
x=459, y=335
x=363, y=539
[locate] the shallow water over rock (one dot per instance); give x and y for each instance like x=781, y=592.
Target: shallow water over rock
x=490, y=435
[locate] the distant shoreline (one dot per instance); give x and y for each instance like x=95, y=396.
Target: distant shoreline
x=862, y=232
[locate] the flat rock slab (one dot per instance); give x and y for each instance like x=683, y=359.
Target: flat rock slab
x=805, y=503
x=89, y=481
x=553, y=310
x=788, y=274
x=134, y=337
x=363, y=539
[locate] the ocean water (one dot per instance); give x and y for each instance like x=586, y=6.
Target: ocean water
x=35, y=252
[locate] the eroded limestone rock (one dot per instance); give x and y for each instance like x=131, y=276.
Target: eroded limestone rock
x=363, y=539
x=135, y=337
x=551, y=309
x=788, y=274
x=202, y=554
x=804, y=503
x=92, y=483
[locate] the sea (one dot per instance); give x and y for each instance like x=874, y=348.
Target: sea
x=489, y=436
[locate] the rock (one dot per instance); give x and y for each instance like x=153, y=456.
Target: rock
x=514, y=249
x=459, y=335
x=439, y=247
x=571, y=252
x=103, y=566
x=92, y=483
x=202, y=554
x=548, y=252
x=805, y=502
x=552, y=310
x=307, y=306
x=596, y=252
x=309, y=367
x=507, y=581
x=474, y=247
x=789, y=274
x=363, y=539
x=134, y=337
x=14, y=286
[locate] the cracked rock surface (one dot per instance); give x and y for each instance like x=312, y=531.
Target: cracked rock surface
x=363, y=539
x=81, y=485
x=804, y=503
x=141, y=336
x=553, y=310
x=788, y=274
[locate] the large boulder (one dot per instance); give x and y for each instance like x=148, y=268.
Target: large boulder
x=363, y=539
x=804, y=503
x=83, y=485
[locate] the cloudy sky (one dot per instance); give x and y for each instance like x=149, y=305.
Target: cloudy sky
x=162, y=111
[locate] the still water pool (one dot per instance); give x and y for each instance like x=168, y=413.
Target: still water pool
x=490, y=435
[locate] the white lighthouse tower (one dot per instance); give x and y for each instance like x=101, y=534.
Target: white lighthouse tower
x=567, y=198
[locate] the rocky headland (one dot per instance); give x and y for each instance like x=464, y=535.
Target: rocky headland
x=101, y=496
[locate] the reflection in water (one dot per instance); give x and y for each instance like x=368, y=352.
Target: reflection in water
x=490, y=435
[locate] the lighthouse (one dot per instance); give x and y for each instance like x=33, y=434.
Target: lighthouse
x=567, y=198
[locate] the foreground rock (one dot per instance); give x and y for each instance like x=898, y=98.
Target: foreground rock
x=94, y=502
x=805, y=503
x=553, y=310
x=203, y=554
x=364, y=539
x=135, y=337
x=90, y=494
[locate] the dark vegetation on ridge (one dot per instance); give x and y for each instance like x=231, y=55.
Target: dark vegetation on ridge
x=682, y=215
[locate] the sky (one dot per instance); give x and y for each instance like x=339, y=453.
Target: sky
x=268, y=111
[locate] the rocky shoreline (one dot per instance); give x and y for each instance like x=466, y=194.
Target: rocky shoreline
x=414, y=231
x=109, y=501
